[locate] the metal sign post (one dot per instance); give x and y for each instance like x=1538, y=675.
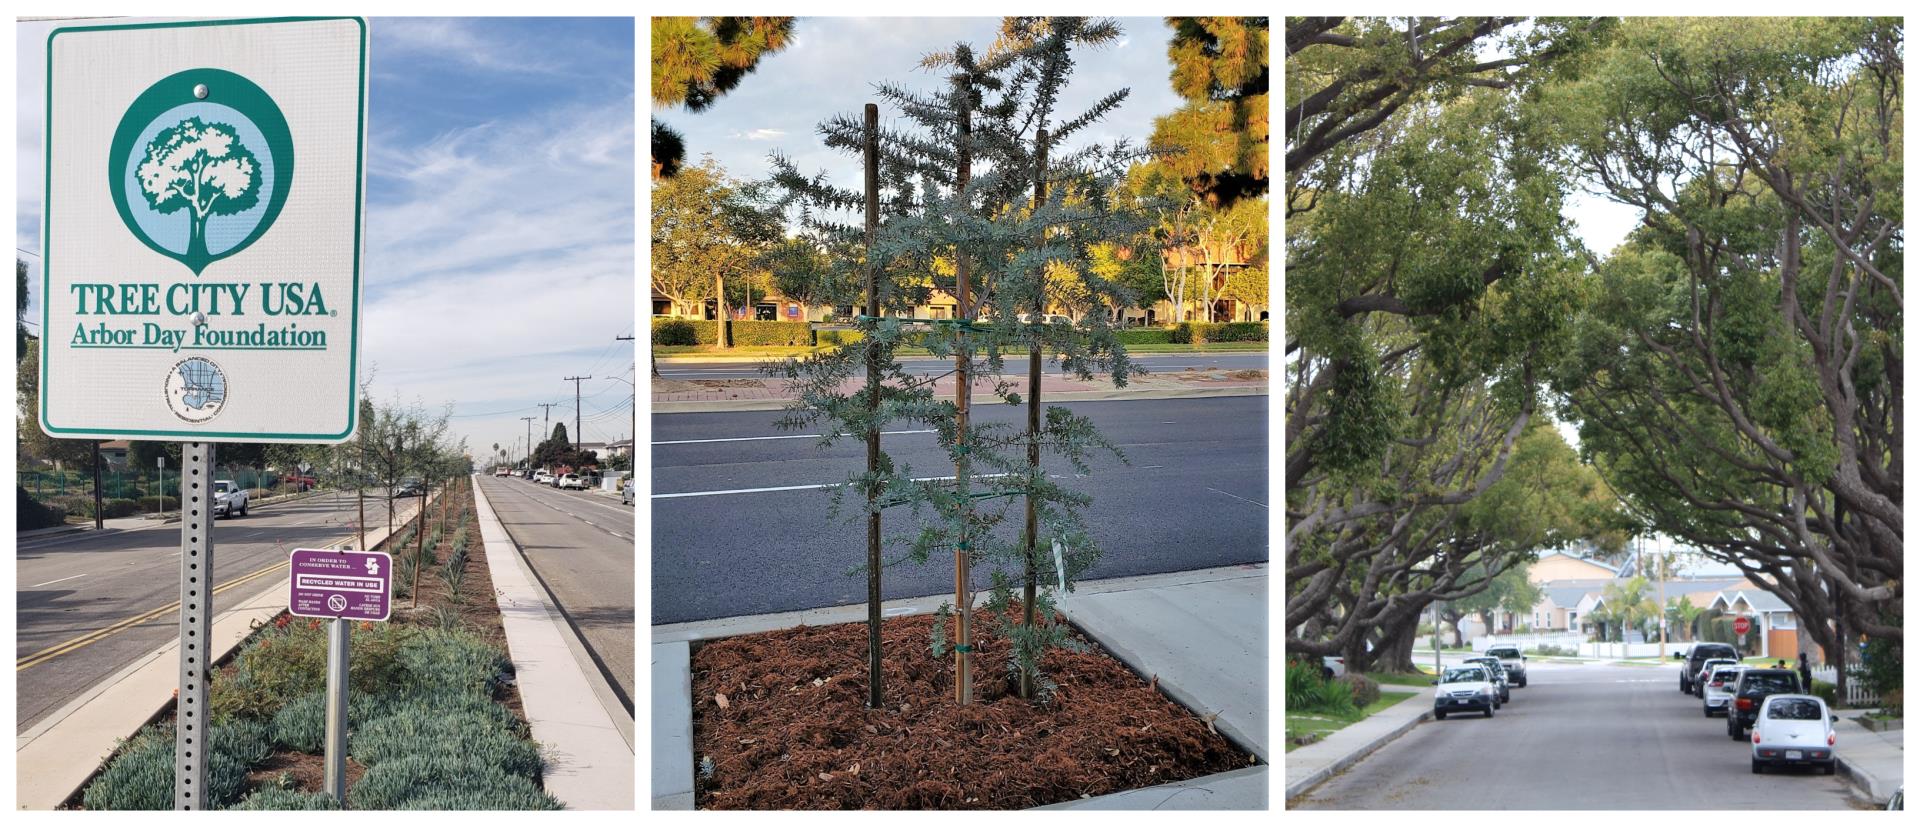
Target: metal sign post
x=342, y=587
x=196, y=625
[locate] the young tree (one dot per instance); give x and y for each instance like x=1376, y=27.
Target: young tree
x=1034, y=205
x=202, y=168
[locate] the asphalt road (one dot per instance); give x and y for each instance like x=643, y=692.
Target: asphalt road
x=582, y=547
x=1193, y=496
x=1578, y=737
x=79, y=595
x=923, y=365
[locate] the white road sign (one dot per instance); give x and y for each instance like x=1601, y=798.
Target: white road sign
x=202, y=230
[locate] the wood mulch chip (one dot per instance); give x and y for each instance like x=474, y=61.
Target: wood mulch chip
x=782, y=718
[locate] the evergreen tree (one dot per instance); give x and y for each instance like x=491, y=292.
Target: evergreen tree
x=997, y=111
x=698, y=59
x=1220, y=68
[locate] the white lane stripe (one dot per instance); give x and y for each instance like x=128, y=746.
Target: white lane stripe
x=790, y=436
x=1238, y=497
x=793, y=488
x=51, y=582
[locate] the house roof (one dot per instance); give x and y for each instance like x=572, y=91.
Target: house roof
x=1612, y=570
x=1758, y=600
x=1567, y=596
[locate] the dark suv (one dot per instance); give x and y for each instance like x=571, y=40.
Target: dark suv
x=1752, y=690
x=1697, y=657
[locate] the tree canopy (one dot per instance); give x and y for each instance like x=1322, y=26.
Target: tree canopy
x=696, y=60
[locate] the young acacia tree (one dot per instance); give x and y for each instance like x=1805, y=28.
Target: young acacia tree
x=1033, y=208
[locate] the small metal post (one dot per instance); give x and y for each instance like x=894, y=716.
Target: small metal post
x=196, y=623
x=336, y=746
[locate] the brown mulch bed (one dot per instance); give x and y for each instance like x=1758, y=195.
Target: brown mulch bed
x=794, y=731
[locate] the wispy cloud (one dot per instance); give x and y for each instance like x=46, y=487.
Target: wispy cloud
x=760, y=134
x=459, y=41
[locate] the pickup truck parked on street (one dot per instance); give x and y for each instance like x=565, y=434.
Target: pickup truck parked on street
x=1514, y=662
x=228, y=499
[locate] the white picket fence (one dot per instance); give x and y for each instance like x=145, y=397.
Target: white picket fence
x=1857, y=693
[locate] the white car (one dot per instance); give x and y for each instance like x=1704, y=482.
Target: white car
x=1511, y=660
x=1793, y=729
x=626, y=492
x=228, y=499
x=571, y=481
x=1332, y=666
x=1706, y=670
x=543, y=476
x=1464, y=689
x=1718, y=689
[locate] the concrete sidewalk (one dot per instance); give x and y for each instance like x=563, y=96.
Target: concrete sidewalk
x=62, y=751
x=1342, y=748
x=1202, y=633
x=1873, y=762
x=584, y=733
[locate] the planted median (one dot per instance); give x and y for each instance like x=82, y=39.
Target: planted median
x=434, y=718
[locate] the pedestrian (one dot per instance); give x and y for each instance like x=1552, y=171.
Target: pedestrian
x=1806, y=674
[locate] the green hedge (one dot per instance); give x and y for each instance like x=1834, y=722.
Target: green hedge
x=685, y=332
x=1200, y=332
x=1146, y=336
x=682, y=332
x=838, y=337
x=32, y=513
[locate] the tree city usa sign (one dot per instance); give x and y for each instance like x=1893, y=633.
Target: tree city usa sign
x=203, y=233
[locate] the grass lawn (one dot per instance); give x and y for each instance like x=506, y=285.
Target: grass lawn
x=770, y=352
x=1303, y=723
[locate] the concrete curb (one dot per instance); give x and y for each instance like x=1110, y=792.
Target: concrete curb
x=57, y=756
x=672, y=787
x=1864, y=783
x=726, y=405
x=1309, y=781
x=1241, y=789
x=589, y=753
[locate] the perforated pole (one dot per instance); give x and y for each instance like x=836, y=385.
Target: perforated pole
x=196, y=613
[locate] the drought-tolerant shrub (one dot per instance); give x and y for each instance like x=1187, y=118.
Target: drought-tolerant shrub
x=1309, y=691
x=1362, y=688
x=444, y=780
x=467, y=732
x=285, y=663
x=452, y=662
x=34, y=514
x=141, y=776
x=111, y=509
x=838, y=337
x=301, y=725
x=274, y=798
x=1827, y=692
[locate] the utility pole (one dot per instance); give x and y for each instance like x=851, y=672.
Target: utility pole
x=529, y=421
x=576, y=409
x=1664, y=563
x=546, y=429
x=633, y=422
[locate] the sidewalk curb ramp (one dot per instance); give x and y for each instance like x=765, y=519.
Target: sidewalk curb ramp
x=57, y=756
x=588, y=746
x=1308, y=782
x=726, y=405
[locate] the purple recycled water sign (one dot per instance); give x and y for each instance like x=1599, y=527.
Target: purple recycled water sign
x=350, y=585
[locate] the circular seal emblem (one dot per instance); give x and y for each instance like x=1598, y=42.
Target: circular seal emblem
x=336, y=603
x=196, y=389
x=200, y=165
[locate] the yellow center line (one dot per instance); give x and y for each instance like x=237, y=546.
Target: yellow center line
x=98, y=635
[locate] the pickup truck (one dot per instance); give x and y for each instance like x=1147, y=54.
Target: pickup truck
x=1514, y=662
x=228, y=499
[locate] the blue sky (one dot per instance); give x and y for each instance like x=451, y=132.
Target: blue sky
x=832, y=63
x=500, y=216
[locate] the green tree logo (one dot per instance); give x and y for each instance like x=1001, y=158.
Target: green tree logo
x=201, y=167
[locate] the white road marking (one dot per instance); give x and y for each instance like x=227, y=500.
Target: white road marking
x=797, y=487
x=1238, y=497
x=760, y=438
x=61, y=580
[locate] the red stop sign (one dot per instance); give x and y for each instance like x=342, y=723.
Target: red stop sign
x=1741, y=625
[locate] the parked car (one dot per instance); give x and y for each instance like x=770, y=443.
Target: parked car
x=299, y=482
x=1464, y=689
x=228, y=499
x=1706, y=672
x=408, y=488
x=542, y=475
x=1717, y=691
x=1793, y=730
x=1898, y=801
x=572, y=481
x=1499, y=672
x=626, y=492
x=1332, y=666
x=1752, y=690
x=1512, y=660
x=1696, y=656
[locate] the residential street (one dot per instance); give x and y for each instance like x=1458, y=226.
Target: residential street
x=581, y=545
x=1578, y=737
x=740, y=522
x=924, y=365
x=89, y=603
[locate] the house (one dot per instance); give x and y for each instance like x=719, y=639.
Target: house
x=114, y=453
x=1561, y=566
x=1773, y=620
x=619, y=448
